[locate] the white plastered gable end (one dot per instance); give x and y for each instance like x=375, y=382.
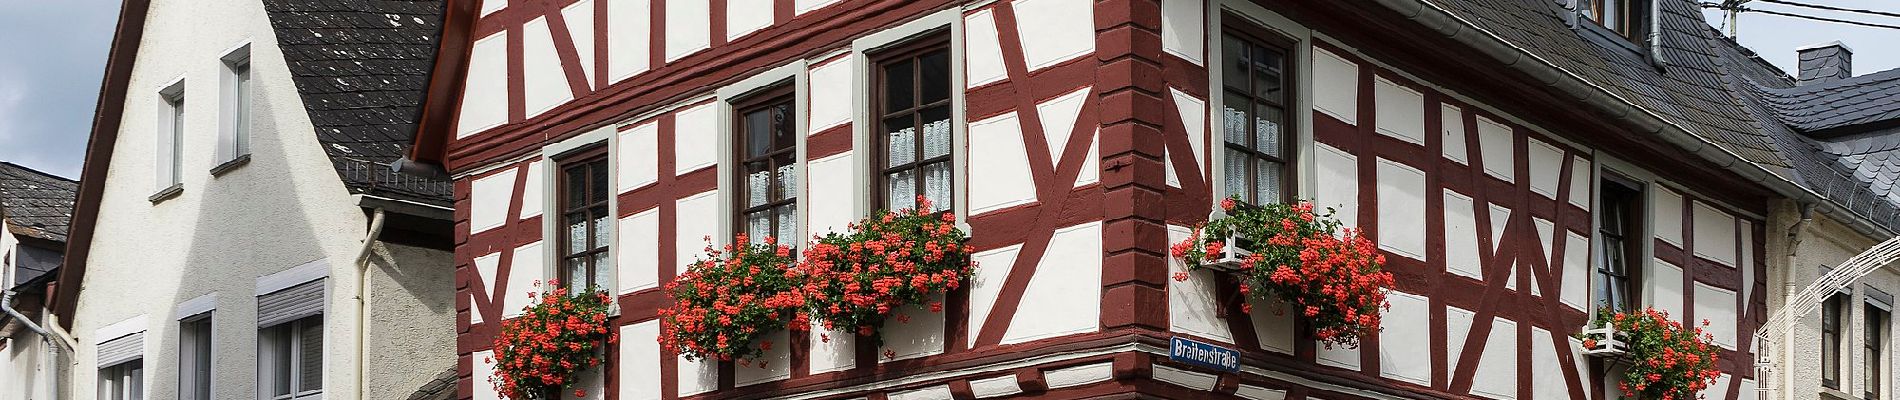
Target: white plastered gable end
x=1304, y=57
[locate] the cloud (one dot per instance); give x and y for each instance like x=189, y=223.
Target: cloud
x=49, y=79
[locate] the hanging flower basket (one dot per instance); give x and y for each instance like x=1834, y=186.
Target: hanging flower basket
x=728, y=301
x=883, y=263
x=1330, y=276
x=555, y=338
x=1665, y=359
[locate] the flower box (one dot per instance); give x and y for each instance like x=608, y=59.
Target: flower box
x=1231, y=255
x=1605, y=342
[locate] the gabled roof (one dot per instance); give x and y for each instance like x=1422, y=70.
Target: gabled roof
x=362, y=66
x=37, y=204
x=1843, y=106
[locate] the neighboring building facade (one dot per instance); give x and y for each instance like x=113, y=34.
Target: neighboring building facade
x=1522, y=164
x=35, y=209
x=238, y=233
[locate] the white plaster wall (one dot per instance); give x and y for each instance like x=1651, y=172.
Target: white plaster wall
x=24, y=363
x=1824, y=242
x=283, y=209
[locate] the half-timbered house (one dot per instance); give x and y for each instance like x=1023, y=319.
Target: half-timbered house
x=1522, y=164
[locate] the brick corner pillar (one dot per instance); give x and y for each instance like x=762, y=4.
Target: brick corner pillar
x=1133, y=111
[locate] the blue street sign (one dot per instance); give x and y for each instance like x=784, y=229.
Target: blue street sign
x=1206, y=355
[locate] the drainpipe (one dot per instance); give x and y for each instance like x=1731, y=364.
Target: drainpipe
x=1655, y=36
x=1789, y=288
x=52, y=344
x=362, y=304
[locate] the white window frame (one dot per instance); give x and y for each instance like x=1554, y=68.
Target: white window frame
x=796, y=73
x=237, y=91
x=267, y=337
x=863, y=122
x=551, y=209
x=123, y=381
x=169, y=138
x=1300, y=107
x=201, y=308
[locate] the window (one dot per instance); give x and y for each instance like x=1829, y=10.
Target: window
x=194, y=358
x=123, y=381
x=171, y=136
x=1256, y=93
x=235, y=105
x=912, y=96
x=1831, y=340
x=1620, y=237
x=1625, y=17
x=293, y=359
x=1875, y=347
x=768, y=189
x=585, y=191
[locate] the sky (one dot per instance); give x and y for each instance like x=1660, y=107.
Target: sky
x=52, y=55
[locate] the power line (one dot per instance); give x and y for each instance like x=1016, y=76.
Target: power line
x=1823, y=19
x=1832, y=8
x=1736, y=7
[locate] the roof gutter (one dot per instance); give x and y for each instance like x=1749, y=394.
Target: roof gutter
x=1456, y=28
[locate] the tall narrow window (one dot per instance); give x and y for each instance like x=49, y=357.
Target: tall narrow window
x=1875, y=346
x=913, y=104
x=1256, y=94
x=293, y=359
x=768, y=188
x=123, y=381
x=1619, y=236
x=585, y=192
x=171, y=136
x=235, y=108
x=1628, y=18
x=194, y=358
x=1831, y=340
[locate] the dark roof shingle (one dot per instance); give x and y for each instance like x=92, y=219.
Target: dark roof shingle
x=36, y=204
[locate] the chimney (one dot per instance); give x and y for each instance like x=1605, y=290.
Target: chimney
x=1824, y=63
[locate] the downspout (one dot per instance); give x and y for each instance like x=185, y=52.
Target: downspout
x=1655, y=36
x=53, y=344
x=1788, y=290
x=362, y=304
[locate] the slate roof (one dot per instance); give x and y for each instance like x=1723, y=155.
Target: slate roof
x=1837, y=105
x=362, y=67
x=36, y=204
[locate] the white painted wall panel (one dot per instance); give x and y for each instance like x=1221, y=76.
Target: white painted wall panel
x=696, y=376
x=1452, y=128
x=1336, y=356
x=922, y=336
x=1576, y=270
x=1547, y=377
x=775, y=364
x=484, y=367
x=1457, y=329
x=1665, y=210
x=1405, y=347
x=1053, y=31
x=1497, y=367
x=1193, y=114
x=831, y=349
x=690, y=239
x=580, y=26
x=639, y=363
x=544, y=83
x=629, y=38
x=526, y=269
x=1665, y=286
x=1580, y=183
x=928, y=393
x=1184, y=378
x=993, y=387
x=1500, y=215
x=1251, y=392
x=1716, y=305
x=1715, y=237
x=831, y=187
x=1497, y=145
x=983, y=59
x=1091, y=171
x=987, y=283
x=639, y=159
x=1058, y=120
x=804, y=6
x=1546, y=166
x=485, y=90
x=489, y=198
x=831, y=95
x=688, y=27
x=746, y=16
x=1547, y=238
x=1401, y=209
x=592, y=382
x=1078, y=375
x=1192, y=304
x=1335, y=86
x=639, y=251
x=1273, y=330
x=998, y=159
x=1337, y=185
x=491, y=6
x=1720, y=389
x=1461, y=236
x=1064, y=295
x=1182, y=25
x=1401, y=111
x=695, y=138
x=487, y=266
x=534, y=193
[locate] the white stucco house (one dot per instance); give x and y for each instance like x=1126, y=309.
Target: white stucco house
x=239, y=234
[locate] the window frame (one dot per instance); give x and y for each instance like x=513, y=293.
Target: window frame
x=1876, y=331
x=1632, y=17
x=197, y=335
x=122, y=381
x=292, y=332
x=1293, y=134
x=237, y=90
x=1831, y=320
x=584, y=158
x=1632, y=240
x=769, y=95
x=168, y=158
x=930, y=41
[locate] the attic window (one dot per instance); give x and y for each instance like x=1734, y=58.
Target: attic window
x=1628, y=18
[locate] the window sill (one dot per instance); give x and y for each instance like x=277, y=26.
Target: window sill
x=227, y=166
x=167, y=193
x=1831, y=394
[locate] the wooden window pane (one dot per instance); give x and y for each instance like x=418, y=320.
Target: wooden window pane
x=934, y=76
x=899, y=85
x=937, y=142
x=903, y=189
x=901, y=141
x=937, y=185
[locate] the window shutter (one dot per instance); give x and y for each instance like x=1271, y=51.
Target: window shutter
x=125, y=348
x=290, y=304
